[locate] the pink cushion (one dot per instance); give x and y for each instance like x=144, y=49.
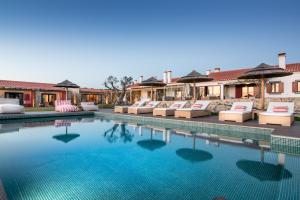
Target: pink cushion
x=280, y=109
x=239, y=108
x=197, y=106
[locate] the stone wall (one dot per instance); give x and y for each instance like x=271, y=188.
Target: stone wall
x=219, y=105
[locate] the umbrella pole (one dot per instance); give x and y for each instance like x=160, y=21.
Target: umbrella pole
x=194, y=91
x=66, y=93
x=262, y=93
x=152, y=93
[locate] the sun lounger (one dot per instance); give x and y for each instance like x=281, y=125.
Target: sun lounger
x=198, y=109
x=239, y=112
x=169, y=111
x=64, y=106
x=124, y=109
x=89, y=106
x=148, y=108
x=10, y=106
x=281, y=113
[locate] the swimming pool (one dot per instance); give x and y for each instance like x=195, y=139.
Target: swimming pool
x=97, y=158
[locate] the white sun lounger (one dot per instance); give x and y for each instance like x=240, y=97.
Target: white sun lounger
x=10, y=106
x=281, y=113
x=239, y=112
x=148, y=108
x=198, y=109
x=124, y=109
x=170, y=111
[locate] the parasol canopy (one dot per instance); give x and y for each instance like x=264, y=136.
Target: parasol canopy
x=152, y=82
x=67, y=84
x=66, y=137
x=264, y=171
x=194, y=77
x=151, y=144
x=262, y=72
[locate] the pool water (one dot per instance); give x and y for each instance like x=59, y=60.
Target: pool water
x=95, y=158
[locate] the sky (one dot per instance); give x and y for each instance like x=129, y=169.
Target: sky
x=85, y=41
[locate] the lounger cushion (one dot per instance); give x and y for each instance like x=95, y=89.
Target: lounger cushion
x=234, y=112
x=11, y=109
x=240, y=108
x=279, y=114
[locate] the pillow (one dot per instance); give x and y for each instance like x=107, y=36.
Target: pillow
x=197, y=106
x=280, y=109
x=177, y=105
x=149, y=105
x=240, y=108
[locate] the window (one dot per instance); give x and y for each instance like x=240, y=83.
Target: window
x=214, y=91
x=298, y=86
x=48, y=99
x=275, y=87
x=248, y=91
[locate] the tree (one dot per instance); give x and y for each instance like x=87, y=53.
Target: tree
x=118, y=132
x=118, y=86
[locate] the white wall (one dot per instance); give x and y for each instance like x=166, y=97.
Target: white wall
x=287, y=80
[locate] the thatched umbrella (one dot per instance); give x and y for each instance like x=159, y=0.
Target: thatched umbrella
x=152, y=82
x=194, y=77
x=67, y=84
x=262, y=72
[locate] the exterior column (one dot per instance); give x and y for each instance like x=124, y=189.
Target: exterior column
x=130, y=97
x=222, y=92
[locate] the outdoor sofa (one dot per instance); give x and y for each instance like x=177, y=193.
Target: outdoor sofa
x=64, y=106
x=148, y=108
x=170, y=111
x=89, y=106
x=10, y=106
x=239, y=112
x=281, y=113
x=198, y=109
x=124, y=109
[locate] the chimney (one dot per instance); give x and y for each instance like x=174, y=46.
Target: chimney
x=141, y=79
x=208, y=72
x=282, y=60
x=165, y=77
x=169, y=76
x=217, y=69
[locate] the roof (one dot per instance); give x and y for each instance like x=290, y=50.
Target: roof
x=41, y=86
x=228, y=75
x=93, y=90
x=295, y=67
x=28, y=85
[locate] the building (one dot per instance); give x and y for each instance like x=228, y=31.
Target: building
x=32, y=94
x=227, y=86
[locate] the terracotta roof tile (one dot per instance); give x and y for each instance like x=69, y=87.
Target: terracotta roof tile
x=28, y=85
x=228, y=75
x=93, y=90
x=295, y=67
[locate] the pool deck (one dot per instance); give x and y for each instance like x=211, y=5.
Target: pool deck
x=29, y=115
x=293, y=131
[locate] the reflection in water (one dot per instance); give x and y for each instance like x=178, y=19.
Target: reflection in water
x=192, y=154
x=118, y=131
x=264, y=171
x=66, y=137
x=151, y=144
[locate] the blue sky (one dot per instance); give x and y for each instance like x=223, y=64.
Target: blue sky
x=88, y=40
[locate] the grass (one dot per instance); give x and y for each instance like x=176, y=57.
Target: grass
x=106, y=106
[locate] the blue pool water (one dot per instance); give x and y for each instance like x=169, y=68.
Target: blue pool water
x=101, y=159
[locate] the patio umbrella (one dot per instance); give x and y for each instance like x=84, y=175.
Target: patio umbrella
x=194, y=77
x=67, y=84
x=151, y=144
x=264, y=171
x=192, y=154
x=262, y=72
x=152, y=82
x=66, y=137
